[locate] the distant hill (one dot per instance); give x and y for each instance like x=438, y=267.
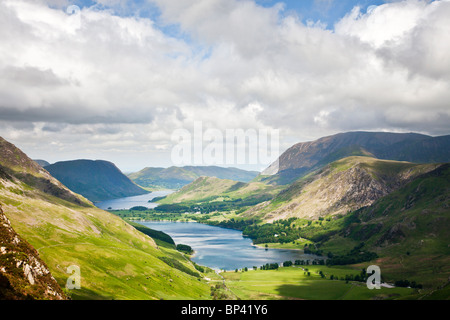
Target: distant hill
x=306, y=157
x=96, y=180
x=178, y=177
x=42, y=163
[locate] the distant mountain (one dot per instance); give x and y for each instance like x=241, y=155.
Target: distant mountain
x=42, y=163
x=96, y=180
x=306, y=157
x=177, y=177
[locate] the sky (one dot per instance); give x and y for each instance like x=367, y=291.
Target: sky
x=117, y=80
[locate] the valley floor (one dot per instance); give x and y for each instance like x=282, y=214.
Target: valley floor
x=294, y=283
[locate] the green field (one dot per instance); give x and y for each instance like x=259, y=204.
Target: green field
x=292, y=283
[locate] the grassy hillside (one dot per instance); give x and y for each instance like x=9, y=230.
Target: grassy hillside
x=177, y=177
x=116, y=260
x=408, y=229
x=96, y=180
x=23, y=275
x=212, y=194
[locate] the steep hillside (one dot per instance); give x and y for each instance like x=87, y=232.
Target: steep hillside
x=116, y=261
x=23, y=275
x=306, y=157
x=407, y=228
x=17, y=168
x=342, y=186
x=96, y=180
x=176, y=177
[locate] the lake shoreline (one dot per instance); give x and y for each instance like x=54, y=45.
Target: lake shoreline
x=221, y=248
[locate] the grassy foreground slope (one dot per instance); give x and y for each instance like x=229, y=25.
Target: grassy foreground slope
x=23, y=275
x=116, y=260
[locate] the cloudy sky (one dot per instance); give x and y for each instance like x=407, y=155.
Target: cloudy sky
x=115, y=79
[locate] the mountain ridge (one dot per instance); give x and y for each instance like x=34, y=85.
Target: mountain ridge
x=305, y=157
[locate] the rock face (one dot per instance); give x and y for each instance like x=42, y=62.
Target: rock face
x=23, y=275
x=345, y=185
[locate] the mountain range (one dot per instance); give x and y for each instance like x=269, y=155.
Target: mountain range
x=177, y=177
x=306, y=157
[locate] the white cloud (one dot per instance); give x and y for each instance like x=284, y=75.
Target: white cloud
x=121, y=82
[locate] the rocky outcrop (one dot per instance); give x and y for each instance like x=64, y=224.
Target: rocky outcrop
x=343, y=186
x=23, y=275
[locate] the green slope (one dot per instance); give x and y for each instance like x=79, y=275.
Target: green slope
x=116, y=260
x=210, y=193
x=23, y=274
x=407, y=228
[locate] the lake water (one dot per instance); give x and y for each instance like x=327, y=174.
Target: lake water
x=130, y=202
x=220, y=248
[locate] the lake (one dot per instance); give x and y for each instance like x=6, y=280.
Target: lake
x=130, y=202
x=223, y=249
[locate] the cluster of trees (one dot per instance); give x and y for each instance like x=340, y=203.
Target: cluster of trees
x=287, y=264
x=407, y=283
x=139, y=208
x=310, y=250
x=279, y=232
x=236, y=224
x=155, y=234
x=270, y=266
x=213, y=206
x=178, y=265
x=356, y=255
x=185, y=248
